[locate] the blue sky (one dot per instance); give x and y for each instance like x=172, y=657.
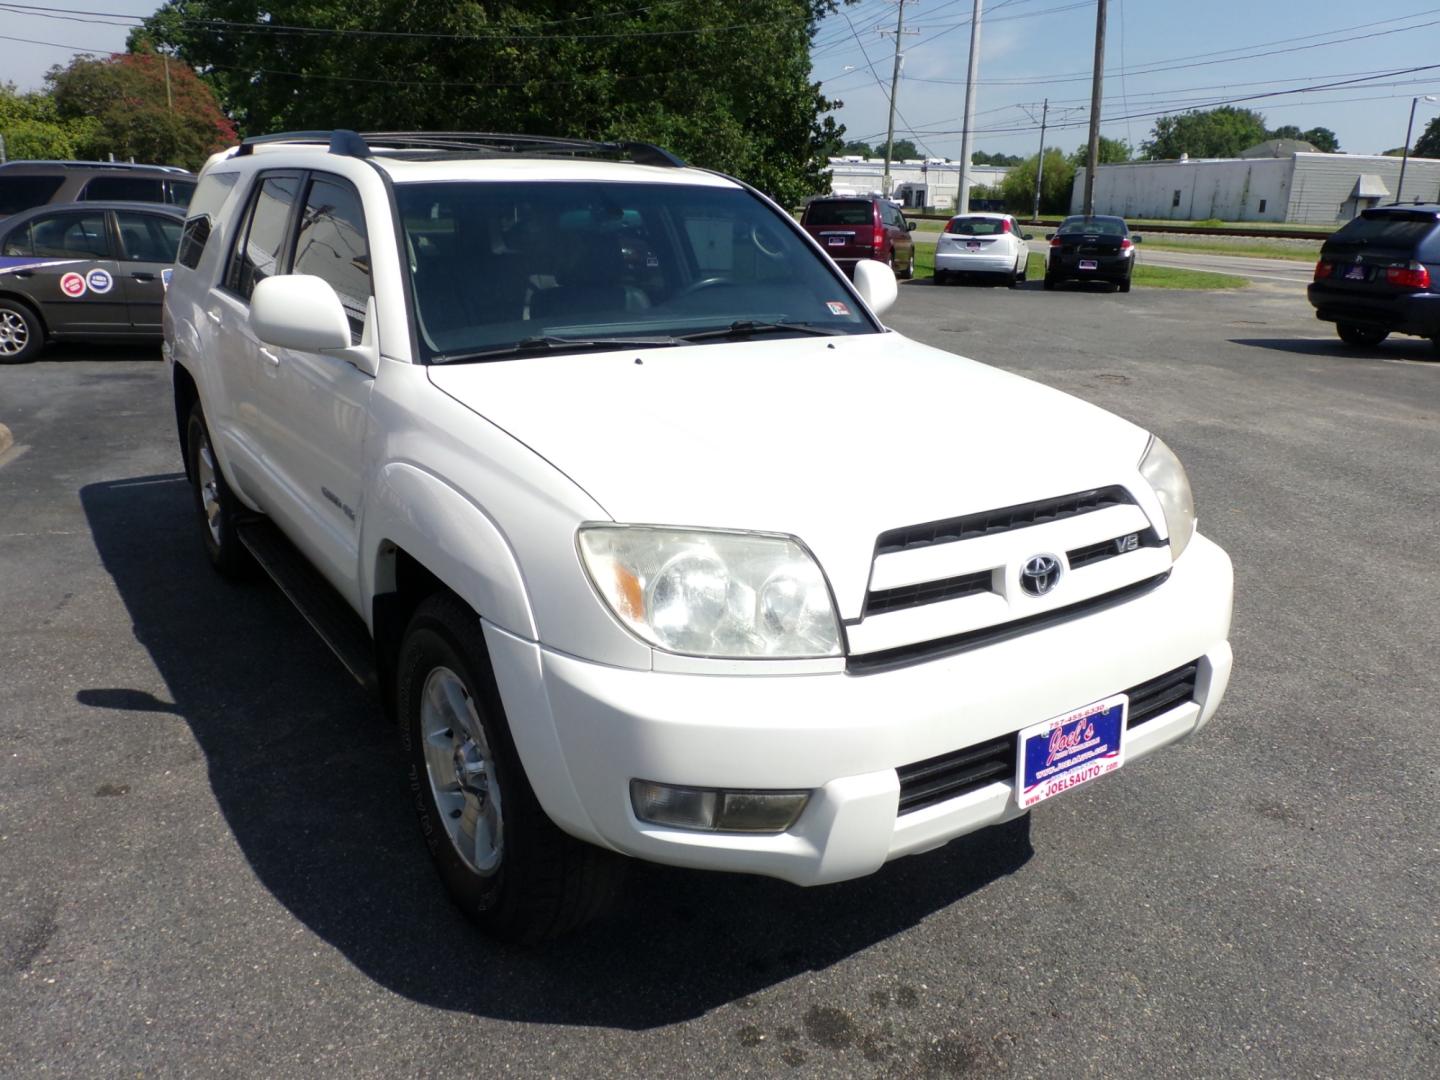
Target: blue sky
x=1160, y=55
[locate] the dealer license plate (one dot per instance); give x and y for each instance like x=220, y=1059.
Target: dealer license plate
x=1087, y=264
x=837, y=241
x=1355, y=273
x=1069, y=750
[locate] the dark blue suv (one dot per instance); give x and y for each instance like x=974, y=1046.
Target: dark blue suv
x=1380, y=275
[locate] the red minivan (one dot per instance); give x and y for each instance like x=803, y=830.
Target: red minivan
x=855, y=227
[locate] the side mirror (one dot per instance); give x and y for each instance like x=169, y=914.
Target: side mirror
x=1029, y=236
x=875, y=282
x=299, y=311
x=302, y=312
x=1135, y=239
x=1049, y=236
x=909, y=226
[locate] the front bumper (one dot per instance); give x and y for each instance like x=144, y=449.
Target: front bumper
x=1400, y=312
x=585, y=730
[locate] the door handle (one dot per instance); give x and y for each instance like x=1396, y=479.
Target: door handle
x=268, y=355
x=24, y=273
x=213, y=316
x=143, y=275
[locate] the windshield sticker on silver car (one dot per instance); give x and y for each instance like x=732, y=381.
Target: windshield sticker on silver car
x=73, y=285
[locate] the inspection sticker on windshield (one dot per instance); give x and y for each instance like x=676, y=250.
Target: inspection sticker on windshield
x=837, y=308
x=1066, y=751
x=73, y=286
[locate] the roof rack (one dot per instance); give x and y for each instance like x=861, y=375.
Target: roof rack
x=65, y=164
x=465, y=143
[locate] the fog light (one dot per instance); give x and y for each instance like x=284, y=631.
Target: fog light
x=716, y=810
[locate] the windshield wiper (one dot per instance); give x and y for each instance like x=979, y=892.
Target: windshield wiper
x=746, y=328
x=552, y=344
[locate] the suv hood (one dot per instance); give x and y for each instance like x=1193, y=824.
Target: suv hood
x=834, y=440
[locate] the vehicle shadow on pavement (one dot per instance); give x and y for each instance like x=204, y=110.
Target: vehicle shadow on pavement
x=310, y=781
x=1394, y=349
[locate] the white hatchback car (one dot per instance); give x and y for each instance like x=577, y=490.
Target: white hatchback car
x=990, y=244
x=653, y=539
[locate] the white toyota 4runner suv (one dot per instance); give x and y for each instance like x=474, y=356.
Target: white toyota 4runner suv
x=654, y=540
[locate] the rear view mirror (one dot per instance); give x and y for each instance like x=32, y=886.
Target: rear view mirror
x=875, y=282
x=1029, y=236
x=1049, y=236
x=1136, y=239
x=909, y=226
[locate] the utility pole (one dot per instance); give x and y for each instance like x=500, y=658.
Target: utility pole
x=1096, y=88
x=169, y=101
x=894, y=89
x=967, y=133
x=1040, y=161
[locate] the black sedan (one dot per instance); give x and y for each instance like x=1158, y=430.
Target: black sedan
x=84, y=270
x=1091, y=249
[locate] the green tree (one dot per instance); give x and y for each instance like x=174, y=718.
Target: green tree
x=1111, y=152
x=723, y=83
x=903, y=150
x=859, y=149
x=1221, y=132
x=1019, y=184
x=141, y=106
x=980, y=157
x=1428, y=145
x=1323, y=139
x=33, y=128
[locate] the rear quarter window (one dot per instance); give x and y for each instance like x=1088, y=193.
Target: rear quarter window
x=123, y=189
x=205, y=204
x=19, y=193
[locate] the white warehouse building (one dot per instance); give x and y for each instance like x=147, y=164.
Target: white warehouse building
x=1302, y=188
x=931, y=182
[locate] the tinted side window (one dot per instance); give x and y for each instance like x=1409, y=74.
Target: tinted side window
x=147, y=237
x=122, y=188
x=331, y=245
x=70, y=235
x=257, y=251
x=179, y=192
x=26, y=192
x=205, y=201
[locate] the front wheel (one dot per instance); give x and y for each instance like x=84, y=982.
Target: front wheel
x=504, y=862
x=1360, y=335
x=215, y=504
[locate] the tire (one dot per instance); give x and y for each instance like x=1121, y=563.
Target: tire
x=218, y=510
x=22, y=334
x=910, y=267
x=941, y=277
x=1123, y=285
x=1360, y=336
x=504, y=862
x=1049, y=282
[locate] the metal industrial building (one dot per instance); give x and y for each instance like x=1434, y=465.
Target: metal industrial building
x=934, y=182
x=1304, y=188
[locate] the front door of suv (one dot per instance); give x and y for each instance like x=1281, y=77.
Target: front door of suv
x=320, y=403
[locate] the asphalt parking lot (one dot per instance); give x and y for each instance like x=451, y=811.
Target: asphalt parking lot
x=210, y=867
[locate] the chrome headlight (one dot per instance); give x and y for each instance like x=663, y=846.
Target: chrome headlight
x=718, y=594
x=1166, y=476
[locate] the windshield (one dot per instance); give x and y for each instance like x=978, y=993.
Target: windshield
x=497, y=264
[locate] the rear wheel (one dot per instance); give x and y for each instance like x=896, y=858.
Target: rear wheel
x=22, y=335
x=1360, y=335
x=909, y=271
x=504, y=861
x=1049, y=282
x=215, y=504
x=941, y=277
x=1123, y=284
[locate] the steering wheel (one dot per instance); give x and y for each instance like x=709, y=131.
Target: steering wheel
x=705, y=283
x=758, y=236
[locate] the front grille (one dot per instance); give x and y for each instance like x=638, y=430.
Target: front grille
x=1108, y=549
x=936, y=779
x=1162, y=693
x=990, y=522
x=951, y=775
x=929, y=592
x=904, y=655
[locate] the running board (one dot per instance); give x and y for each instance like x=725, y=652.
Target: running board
x=315, y=598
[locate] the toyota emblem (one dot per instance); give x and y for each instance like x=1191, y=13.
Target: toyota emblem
x=1040, y=574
